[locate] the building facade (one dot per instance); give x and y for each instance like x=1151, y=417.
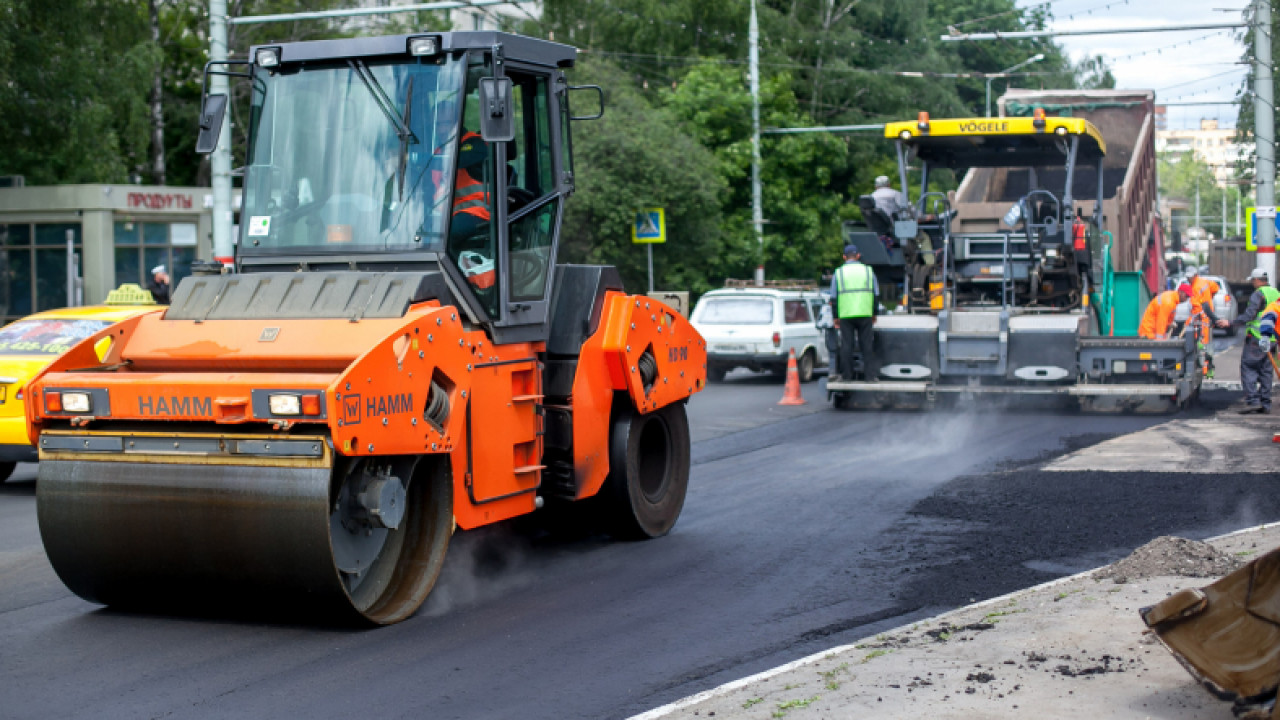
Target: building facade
x=1213, y=145
x=72, y=244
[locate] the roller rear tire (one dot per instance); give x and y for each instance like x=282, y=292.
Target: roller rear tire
x=648, y=471
x=6, y=469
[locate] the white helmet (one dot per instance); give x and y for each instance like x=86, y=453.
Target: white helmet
x=1192, y=271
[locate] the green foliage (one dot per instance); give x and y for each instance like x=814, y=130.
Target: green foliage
x=1180, y=175
x=1245, y=121
x=74, y=77
x=638, y=156
x=802, y=225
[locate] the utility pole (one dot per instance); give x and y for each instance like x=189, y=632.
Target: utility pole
x=1199, y=230
x=1238, y=193
x=757, y=213
x=1264, y=131
x=220, y=160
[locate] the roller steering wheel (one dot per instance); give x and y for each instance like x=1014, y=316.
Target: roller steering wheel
x=518, y=197
x=524, y=268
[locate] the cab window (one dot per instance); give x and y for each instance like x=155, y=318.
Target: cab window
x=531, y=203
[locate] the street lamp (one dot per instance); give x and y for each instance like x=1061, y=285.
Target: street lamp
x=1034, y=58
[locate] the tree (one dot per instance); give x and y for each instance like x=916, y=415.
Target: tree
x=1245, y=122
x=806, y=178
x=638, y=156
x=1183, y=176
x=74, y=78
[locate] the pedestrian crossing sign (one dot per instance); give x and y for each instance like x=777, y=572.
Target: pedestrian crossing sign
x=1251, y=225
x=649, y=226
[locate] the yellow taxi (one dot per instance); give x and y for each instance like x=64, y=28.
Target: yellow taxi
x=29, y=344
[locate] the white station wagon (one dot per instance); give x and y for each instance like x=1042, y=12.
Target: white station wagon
x=757, y=328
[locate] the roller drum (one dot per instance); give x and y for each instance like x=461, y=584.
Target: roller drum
x=175, y=536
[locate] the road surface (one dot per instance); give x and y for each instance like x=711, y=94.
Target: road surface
x=804, y=528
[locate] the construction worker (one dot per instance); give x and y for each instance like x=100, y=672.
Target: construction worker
x=853, y=296
x=470, y=196
x=1255, y=367
x=159, y=284
x=1157, y=321
x=1203, y=291
x=888, y=200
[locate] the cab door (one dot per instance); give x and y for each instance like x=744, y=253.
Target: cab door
x=527, y=172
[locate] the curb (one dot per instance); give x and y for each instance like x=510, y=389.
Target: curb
x=815, y=657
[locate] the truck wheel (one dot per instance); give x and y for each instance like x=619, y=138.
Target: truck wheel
x=6, y=469
x=804, y=368
x=715, y=374
x=648, y=471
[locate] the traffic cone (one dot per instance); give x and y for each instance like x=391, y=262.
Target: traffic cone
x=791, y=395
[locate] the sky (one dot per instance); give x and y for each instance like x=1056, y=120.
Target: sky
x=1183, y=66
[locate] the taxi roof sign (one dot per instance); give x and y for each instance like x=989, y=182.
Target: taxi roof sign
x=129, y=294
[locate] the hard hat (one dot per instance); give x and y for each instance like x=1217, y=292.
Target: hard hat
x=1185, y=289
x=1192, y=271
x=882, y=181
x=157, y=269
x=1258, y=274
x=850, y=250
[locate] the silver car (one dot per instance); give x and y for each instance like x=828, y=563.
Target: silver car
x=1224, y=306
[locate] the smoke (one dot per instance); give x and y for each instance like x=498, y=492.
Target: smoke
x=481, y=565
x=1247, y=512
x=957, y=435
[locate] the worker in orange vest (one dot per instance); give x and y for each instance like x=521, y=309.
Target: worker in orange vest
x=471, y=212
x=471, y=198
x=1157, y=321
x=1203, y=291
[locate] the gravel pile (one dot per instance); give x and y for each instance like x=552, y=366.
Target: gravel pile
x=1170, y=556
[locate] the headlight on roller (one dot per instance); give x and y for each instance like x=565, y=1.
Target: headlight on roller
x=284, y=404
x=76, y=402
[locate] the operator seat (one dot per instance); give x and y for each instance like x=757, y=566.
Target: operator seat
x=876, y=219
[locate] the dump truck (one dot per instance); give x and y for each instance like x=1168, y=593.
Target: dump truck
x=395, y=354
x=1233, y=261
x=1026, y=300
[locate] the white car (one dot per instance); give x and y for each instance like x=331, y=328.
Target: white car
x=1224, y=305
x=757, y=328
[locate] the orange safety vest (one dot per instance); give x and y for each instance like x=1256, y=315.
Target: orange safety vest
x=1159, y=315
x=1202, y=292
x=1273, y=308
x=469, y=194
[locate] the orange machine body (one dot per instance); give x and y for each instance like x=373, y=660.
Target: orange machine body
x=375, y=378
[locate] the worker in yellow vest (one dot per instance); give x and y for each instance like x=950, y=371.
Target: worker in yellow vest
x=1255, y=366
x=853, y=298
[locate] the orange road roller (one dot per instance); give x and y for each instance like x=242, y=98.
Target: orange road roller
x=394, y=353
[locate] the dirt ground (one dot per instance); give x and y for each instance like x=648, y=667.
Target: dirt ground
x=1071, y=648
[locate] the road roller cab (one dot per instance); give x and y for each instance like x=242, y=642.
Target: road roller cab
x=396, y=350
